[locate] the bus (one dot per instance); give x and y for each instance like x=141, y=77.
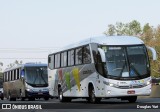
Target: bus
x=101, y=67
x=26, y=81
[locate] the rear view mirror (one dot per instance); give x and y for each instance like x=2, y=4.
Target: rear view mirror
x=102, y=53
x=153, y=51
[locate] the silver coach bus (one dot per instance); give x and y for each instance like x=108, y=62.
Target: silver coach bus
x=24, y=81
x=101, y=67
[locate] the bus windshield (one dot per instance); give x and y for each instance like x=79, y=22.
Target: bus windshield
x=126, y=61
x=36, y=76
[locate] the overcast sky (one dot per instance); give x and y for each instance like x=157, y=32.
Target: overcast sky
x=35, y=28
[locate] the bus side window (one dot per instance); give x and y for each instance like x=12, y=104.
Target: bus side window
x=4, y=77
x=57, y=60
x=78, y=56
x=51, y=62
x=14, y=75
x=17, y=73
x=22, y=73
x=86, y=55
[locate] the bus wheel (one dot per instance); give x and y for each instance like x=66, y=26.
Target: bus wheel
x=13, y=99
x=92, y=98
x=46, y=98
x=132, y=99
x=22, y=98
x=61, y=97
x=9, y=98
x=60, y=94
x=31, y=99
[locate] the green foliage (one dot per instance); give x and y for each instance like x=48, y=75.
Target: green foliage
x=131, y=28
x=16, y=62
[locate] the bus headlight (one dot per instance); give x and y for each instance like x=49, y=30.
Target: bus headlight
x=30, y=90
x=111, y=84
x=148, y=82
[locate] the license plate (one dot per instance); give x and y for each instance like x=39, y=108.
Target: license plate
x=40, y=93
x=131, y=92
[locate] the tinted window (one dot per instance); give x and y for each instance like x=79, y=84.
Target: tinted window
x=51, y=62
x=17, y=73
x=57, y=60
x=86, y=55
x=72, y=57
x=65, y=58
x=14, y=78
x=69, y=58
x=62, y=59
x=78, y=56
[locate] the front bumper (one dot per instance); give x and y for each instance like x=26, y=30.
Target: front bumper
x=37, y=94
x=114, y=92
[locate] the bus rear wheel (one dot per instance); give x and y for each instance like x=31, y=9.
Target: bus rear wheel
x=11, y=99
x=22, y=98
x=46, y=98
x=61, y=97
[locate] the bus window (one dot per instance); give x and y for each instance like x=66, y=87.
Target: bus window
x=78, y=56
x=4, y=77
x=14, y=75
x=51, y=62
x=62, y=60
x=17, y=73
x=72, y=57
x=86, y=55
x=65, y=59
x=69, y=58
x=22, y=73
x=57, y=60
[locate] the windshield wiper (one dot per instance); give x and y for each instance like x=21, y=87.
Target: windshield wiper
x=43, y=77
x=133, y=68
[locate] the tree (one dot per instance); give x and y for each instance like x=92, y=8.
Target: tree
x=16, y=62
x=133, y=28
x=111, y=30
x=148, y=34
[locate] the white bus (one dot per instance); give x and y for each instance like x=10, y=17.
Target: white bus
x=101, y=67
x=28, y=80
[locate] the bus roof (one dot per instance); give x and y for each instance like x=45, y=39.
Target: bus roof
x=112, y=40
x=26, y=65
x=106, y=40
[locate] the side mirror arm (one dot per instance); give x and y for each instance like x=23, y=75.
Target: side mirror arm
x=153, y=51
x=102, y=53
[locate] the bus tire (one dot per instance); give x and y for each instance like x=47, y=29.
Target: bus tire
x=46, y=98
x=9, y=98
x=13, y=99
x=61, y=97
x=22, y=98
x=92, y=98
x=31, y=99
x=132, y=99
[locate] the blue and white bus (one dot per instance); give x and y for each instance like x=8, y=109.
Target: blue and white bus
x=101, y=67
x=26, y=81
